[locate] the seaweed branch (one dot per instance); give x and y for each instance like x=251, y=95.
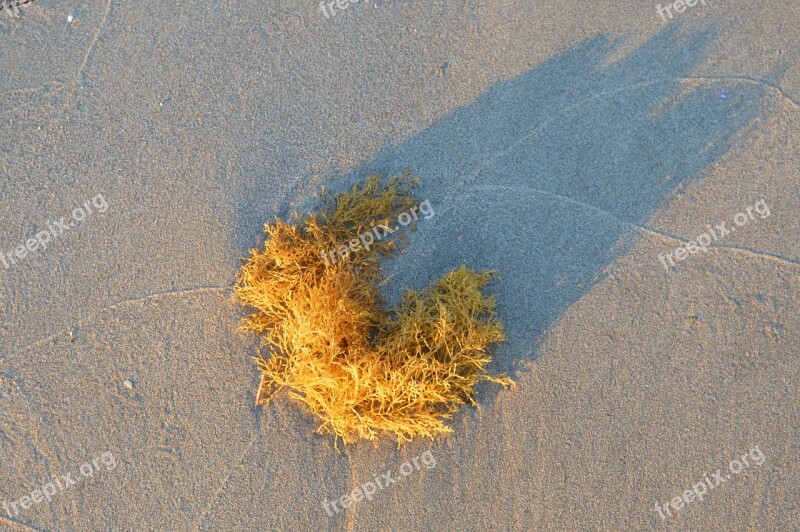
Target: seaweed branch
x=360, y=368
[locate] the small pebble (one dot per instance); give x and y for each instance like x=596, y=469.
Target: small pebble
x=128, y=384
x=70, y=18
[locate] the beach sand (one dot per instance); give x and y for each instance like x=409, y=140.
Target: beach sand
x=566, y=145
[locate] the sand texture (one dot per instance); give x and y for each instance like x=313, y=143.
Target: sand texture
x=567, y=145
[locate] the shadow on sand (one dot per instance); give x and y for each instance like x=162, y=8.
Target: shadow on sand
x=544, y=177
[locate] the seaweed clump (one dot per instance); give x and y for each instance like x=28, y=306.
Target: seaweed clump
x=360, y=368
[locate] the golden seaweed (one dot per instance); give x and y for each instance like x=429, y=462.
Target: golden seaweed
x=360, y=368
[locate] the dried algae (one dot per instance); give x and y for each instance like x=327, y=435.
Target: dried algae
x=360, y=368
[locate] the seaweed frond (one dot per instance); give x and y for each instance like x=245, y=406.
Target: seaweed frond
x=360, y=368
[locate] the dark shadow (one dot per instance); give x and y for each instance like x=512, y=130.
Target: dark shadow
x=508, y=174
x=541, y=175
